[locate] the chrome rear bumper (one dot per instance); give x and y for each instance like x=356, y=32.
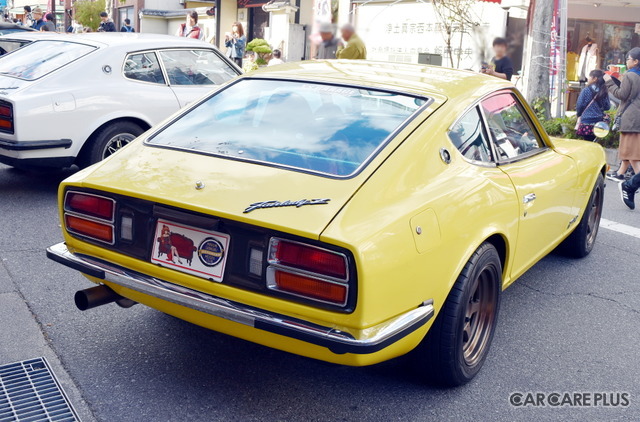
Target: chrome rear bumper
x=369, y=340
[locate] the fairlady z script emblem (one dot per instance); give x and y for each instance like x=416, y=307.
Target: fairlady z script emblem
x=278, y=204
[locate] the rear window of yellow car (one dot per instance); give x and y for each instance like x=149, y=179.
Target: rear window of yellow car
x=328, y=129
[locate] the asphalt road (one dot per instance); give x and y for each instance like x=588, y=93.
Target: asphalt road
x=566, y=326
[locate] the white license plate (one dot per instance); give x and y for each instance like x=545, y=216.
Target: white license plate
x=191, y=250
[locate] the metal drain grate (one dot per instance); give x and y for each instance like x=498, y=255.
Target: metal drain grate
x=30, y=392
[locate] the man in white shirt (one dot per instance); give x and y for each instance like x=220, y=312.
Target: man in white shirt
x=276, y=60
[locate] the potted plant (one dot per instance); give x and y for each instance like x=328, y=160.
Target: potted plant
x=261, y=48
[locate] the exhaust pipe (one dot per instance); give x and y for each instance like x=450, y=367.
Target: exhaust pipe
x=98, y=296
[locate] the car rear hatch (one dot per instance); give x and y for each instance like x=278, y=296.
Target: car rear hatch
x=295, y=202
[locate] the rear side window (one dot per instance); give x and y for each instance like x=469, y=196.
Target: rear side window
x=7, y=46
x=40, y=58
x=321, y=128
x=468, y=136
x=195, y=67
x=144, y=67
x=511, y=131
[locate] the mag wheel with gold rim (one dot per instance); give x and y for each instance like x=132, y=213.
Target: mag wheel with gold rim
x=580, y=243
x=457, y=344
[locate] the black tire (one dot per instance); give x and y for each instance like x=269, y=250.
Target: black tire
x=580, y=243
x=107, y=141
x=456, y=346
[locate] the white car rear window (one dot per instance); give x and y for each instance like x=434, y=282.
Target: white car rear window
x=40, y=58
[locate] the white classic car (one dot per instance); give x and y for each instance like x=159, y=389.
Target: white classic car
x=76, y=99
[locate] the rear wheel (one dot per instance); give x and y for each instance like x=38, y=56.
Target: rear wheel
x=108, y=140
x=580, y=243
x=457, y=344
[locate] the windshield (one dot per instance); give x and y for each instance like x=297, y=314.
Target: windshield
x=322, y=128
x=40, y=58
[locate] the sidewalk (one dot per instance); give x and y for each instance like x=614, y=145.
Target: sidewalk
x=21, y=338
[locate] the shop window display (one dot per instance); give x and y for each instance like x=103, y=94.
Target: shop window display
x=598, y=45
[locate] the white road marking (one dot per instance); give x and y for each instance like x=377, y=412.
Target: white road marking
x=620, y=228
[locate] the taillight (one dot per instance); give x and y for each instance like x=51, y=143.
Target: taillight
x=306, y=286
x=95, y=206
x=312, y=259
x=89, y=228
x=6, y=117
x=90, y=216
x=308, y=271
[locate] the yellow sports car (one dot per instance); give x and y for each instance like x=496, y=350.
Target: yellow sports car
x=346, y=211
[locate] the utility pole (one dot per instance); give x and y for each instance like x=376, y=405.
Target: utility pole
x=538, y=75
x=53, y=12
x=67, y=14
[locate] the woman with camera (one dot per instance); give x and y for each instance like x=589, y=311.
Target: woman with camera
x=236, y=43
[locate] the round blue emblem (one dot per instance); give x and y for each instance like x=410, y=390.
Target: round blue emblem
x=210, y=252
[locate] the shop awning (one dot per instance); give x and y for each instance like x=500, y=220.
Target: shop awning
x=20, y=10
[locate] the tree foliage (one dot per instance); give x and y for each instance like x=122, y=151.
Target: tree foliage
x=457, y=19
x=88, y=13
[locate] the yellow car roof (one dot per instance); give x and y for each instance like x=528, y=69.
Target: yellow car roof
x=439, y=83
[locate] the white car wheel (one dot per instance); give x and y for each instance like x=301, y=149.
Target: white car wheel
x=107, y=141
x=115, y=143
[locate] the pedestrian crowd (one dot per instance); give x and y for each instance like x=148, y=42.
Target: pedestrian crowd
x=350, y=46
x=326, y=45
x=593, y=103
x=36, y=19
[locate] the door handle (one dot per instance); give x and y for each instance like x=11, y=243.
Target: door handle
x=529, y=198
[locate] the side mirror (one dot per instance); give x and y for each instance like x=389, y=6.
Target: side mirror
x=601, y=129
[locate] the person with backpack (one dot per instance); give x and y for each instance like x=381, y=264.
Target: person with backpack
x=592, y=104
x=628, y=117
x=127, y=26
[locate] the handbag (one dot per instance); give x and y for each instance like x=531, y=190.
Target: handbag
x=615, y=127
x=584, y=130
x=579, y=121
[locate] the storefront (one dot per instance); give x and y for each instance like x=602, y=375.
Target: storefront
x=127, y=10
x=598, y=38
x=410, y=32
x=169, y=21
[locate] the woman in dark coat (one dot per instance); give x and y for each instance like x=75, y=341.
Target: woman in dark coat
x=629, y=111
x=592, y=104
